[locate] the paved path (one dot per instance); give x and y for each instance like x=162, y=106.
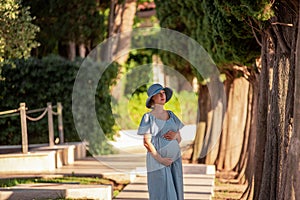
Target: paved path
x=198, y=179
x=196, y=187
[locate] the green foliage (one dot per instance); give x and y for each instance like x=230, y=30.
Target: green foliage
x=143, y=1
x=96, y=137
x=139, y=57
x=36, y=82
x=231, y=39
x=131, y=109
x=188, y=103
x=17, y=33
x=139, y=61
x=64, y=21
x=259, y=10
x=137, y=66
x=221, y=27
x=51, y=79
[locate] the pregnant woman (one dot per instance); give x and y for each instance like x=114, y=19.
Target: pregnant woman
x=160, y=128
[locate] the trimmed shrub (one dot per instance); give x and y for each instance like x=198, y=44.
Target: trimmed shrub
x=51, y=79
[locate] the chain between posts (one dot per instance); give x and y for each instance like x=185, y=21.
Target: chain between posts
x=23, y=117
x=37, y=118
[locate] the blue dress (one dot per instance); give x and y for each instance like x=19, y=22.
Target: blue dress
x=164, y=183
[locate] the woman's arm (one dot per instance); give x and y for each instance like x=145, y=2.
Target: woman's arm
x=178, y=137
x=171, y=135
x=151, y=149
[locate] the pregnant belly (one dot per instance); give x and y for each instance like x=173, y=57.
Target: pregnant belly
x=171, y=150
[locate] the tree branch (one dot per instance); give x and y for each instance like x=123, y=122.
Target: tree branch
x=284, y=46
x=253, y=31
x=283, y=24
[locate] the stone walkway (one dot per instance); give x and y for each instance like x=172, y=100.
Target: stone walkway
x=198, y=179
x=196, y=187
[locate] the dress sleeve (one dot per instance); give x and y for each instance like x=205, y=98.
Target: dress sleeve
x=144, y=125
x=177, y=121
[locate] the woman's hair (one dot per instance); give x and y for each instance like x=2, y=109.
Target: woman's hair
x=151, y=103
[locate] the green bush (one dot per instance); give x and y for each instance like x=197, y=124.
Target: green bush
x=36, y=82
x=85, y=92
x=51, y=79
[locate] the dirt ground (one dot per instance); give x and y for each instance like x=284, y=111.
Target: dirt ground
x=227, y=191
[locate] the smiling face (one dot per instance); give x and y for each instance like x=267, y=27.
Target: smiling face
x=159, y=98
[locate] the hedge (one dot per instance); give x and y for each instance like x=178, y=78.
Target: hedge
x=50, y=79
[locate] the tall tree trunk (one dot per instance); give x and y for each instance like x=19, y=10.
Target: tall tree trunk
x=233, y=136
x=295, y=144
x=292, y=183
x=71, y=51
x=232, y=150
x=82, y=50
x=250, y=161
x=67, y=50
x=214, y=121
x=275, y=117
x=262, y=117
x=121, y=23
x=203, y=109
x=230, y=153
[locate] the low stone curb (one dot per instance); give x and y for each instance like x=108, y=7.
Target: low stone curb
x=55, y=191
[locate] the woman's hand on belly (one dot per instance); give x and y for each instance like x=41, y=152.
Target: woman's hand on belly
x=171, y=150
x=165, y=161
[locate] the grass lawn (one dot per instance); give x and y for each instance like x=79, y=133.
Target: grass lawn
x=117, y=187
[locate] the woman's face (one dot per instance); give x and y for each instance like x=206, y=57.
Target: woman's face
x=159, y=98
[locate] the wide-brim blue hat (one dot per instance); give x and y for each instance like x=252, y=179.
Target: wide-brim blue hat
x=155, y=89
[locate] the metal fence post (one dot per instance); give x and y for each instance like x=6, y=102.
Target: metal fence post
x=60, y=123
x=24, y=127
x=50, y=124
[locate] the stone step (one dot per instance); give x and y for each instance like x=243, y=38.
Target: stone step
x=55, y=191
